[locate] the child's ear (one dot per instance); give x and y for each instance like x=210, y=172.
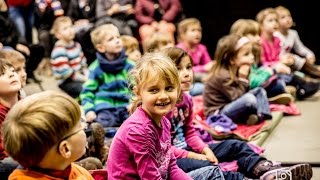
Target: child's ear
x=100, y=48
x=65, y=149
x=136, y=92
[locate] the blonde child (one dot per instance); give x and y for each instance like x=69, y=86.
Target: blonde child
x=18, y=61
x=226, y=90
x=290, y=38
x=272, y=55
x=189, y=38
x=157, y=42
x=68, y=62
x=191, y=152
x=131, y=45
x=10, y=86
x=105, y=95
x=44, y=134
x=141, y=146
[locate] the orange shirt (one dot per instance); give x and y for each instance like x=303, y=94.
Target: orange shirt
x=77, y=173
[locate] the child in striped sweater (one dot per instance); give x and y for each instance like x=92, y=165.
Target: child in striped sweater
x=68, y=62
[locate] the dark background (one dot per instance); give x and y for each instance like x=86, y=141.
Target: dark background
x=217, y=16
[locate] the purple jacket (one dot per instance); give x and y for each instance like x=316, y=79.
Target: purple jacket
x=145, y=10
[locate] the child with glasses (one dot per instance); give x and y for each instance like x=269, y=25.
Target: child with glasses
x=43, y=133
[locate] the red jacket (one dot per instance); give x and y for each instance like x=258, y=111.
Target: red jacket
x=145, y=10
x=19, y=3
x=3, y=112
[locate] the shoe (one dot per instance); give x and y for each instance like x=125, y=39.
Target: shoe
x=284, y=98
x=90, y=163
x=264, y=166
x=252, y=119
x=96, y=142
x=291, y=90
x=296, y=172
x=306, y=90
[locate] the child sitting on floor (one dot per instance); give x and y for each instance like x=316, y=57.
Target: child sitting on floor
x=192, y=153
x=44, y=134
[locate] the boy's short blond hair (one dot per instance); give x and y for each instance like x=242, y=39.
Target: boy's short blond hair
x=58, y=21
x=100, y=32
x=37, y=123
x=12, y=56
x=185, y=24
x=244, y=27
x=130, y=43
x=156, y=40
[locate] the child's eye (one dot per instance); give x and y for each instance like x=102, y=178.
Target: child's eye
x=169, y=88
x=153, y=90
x=178, y=68
x=189, y=67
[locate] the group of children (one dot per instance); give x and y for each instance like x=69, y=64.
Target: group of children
x=149, y=99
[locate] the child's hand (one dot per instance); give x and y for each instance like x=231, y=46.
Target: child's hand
x=90, y=116
x=210, y=155
x=208, y=66
x=311, y=60
x=193, y=155
x=23, y=48
x=281, y=68
x=244, y=71
x=113, y=10
x=287, y=59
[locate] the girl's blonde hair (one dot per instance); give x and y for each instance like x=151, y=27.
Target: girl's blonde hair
x=225, y=52
x=263, y=13
x=130, y=43
x=155, y=66
x=99, y=33
x=4, y=65
x=37, y=123
x=282, y=8
x=57, y=23
x=152, y=44
x=244, y=27
x=185, y=24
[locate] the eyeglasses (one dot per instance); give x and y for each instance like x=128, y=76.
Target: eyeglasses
x=70, y=135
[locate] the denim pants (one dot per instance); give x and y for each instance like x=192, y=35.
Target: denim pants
x=112, y=117
x=227, y=151
x=253, y=102
x=23, y=18
x=197, y=89
x=208, y=173
x=7, y=165
x=275, y=88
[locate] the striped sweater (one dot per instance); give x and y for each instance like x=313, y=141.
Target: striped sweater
x=107, y=86
x=68, y=62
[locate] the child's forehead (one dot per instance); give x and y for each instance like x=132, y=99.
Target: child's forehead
x=194, y=26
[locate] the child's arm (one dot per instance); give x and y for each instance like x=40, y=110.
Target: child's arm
x=204, y=60
x=60, y=63
x=87, y=94
x=300, y=48
x=142, y=143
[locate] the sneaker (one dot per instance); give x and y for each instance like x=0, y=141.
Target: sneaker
x=96, y=142
x=284, y=98
x=252, y=119
x=306, y=90
x=291, y=90
x=296, y=172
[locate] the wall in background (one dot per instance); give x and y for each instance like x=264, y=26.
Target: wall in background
x=217, y=17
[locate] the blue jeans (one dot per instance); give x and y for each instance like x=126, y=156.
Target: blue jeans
x=275, y=88
x=253, y=102
x=112, y=117
x=227, y=151
x=23, y=18
x=197, y=89
x=208, y=173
